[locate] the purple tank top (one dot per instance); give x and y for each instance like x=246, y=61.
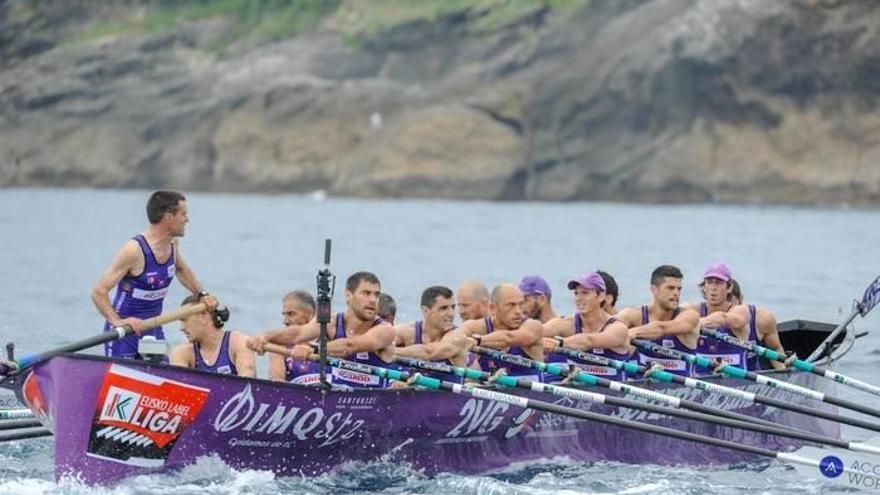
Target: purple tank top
x=141, y=297
x=355, y=379
x=716, y=350
x=440, y=375
x=487, y=364
x=595, y=369
x=223, y=365
x=753, y=362
x=675, y=366
x=304, y=372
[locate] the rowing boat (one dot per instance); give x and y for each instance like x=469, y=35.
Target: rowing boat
x=113, y=418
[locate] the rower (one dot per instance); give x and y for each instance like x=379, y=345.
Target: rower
x=473, y=300
x=761, y=324
x=537, y=294
x=664, y=322
x=142, y=272
x=210, y=348
x=507, y=330
x=297, y=308
x=590, y=329
x=612, y=292
x=434, y=337
x=716, y=312
x=387, y=308
x=359, y=334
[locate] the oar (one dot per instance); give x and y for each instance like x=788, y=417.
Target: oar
x=752, y=376
x=24, y=433
x=863, y=307
x=572, y=393
x=665, y=376
x=584, y=377
x=797, y=363
x=858, y=471
x=13, y=424
x=16, y=413
x=103, y=337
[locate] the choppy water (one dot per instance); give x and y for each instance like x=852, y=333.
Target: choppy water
x=250, y=250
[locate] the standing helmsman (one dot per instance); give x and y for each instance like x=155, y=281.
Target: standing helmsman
x=142, y=271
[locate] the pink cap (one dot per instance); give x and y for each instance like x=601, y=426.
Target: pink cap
x=719, y=271
x=588, y=281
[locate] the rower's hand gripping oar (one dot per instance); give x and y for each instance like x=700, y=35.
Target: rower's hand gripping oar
x=103, y=337
x=858, y=472
x=751, y=397
x=597, y=398
x=752, y=376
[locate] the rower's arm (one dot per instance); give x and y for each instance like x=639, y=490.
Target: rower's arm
x=243, y=357
x=452, y=344
x=686, y=323
x=277, y=368
x=403, y=335
x=768, y=335
x=126, y=259
x=736, y=318
x=558, y=327
x=182, y=355
x=632, y=317
x=530, y=332
x=287, y=336
x=615, y=336
x=374, y=340
x=184, y=273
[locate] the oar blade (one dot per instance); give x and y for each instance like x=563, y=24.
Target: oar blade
x=845, y=468
x=870, y=298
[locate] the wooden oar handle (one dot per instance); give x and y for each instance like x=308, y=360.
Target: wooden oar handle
x=277, y=349
x=178, y=314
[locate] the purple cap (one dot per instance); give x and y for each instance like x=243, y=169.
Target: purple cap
x=719, y=271
x=533, y=284
x=588, y=281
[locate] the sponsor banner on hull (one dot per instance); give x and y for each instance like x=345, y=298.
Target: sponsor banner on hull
x=139, y=417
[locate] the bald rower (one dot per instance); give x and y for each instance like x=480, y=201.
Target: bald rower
x=508, y=330
x=473, y=300
x=297, y=308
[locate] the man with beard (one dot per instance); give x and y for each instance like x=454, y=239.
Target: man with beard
x=509, y=331
x=591, y=329
x=744, y=321
x=664, y=322
x=537, y=294
x=473, y=300
x=716, y=286
x=434, y=337
x=358, y=334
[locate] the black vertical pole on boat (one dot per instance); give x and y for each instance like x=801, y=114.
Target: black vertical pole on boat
x=326, y=281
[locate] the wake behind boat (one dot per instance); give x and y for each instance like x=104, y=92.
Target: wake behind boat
x=116, y=418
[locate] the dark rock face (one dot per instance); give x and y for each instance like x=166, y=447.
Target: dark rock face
x=661, y=100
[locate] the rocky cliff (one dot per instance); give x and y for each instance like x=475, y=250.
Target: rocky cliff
x=656, y=100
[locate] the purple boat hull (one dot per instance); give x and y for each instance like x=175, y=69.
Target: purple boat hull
x=113, y=419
